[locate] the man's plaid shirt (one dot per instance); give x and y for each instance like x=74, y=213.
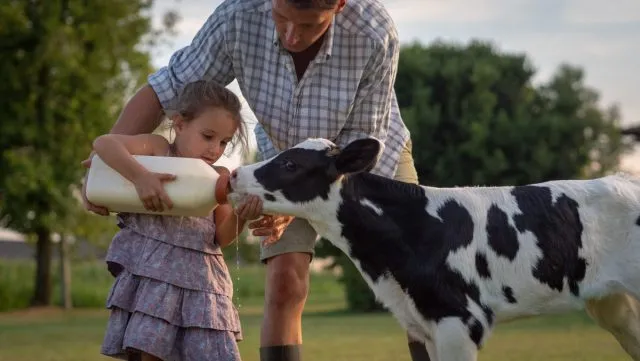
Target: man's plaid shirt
x=346, y=92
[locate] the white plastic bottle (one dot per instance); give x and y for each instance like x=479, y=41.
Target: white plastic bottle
x=197, y=189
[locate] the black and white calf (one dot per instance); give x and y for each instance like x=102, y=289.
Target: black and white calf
x=451, y=262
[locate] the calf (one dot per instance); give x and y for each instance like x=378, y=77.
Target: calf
x=451, y=262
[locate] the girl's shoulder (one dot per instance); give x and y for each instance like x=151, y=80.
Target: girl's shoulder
x=141, y=144
x=159, y=144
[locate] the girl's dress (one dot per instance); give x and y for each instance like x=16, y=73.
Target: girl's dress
x=172, y=297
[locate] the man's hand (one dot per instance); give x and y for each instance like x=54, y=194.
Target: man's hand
x=86, y=163
x=270, y=227
x=88, y=205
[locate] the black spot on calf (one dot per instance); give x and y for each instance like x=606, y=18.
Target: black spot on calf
x=476, y=331
x=508, y=294
x=482, y=266
x=558, y=230
x=503, y=238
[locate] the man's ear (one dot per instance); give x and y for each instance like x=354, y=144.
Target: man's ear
x=340, y=7
x=358, y=156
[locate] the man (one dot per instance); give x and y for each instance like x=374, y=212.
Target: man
x=308, y=68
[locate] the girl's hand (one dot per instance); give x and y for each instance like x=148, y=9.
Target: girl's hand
x=150, y=187
x=103, y=211
x=249, y=208
x=270, y=227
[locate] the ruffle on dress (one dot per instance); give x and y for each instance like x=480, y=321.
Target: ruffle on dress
x=138, y=331
x=178, y=306
x=179, y=266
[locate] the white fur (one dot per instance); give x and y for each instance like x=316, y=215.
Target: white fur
x=367, y=203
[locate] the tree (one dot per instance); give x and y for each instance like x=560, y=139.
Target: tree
x=477, y=109
x=67, y=66
x=476, y=118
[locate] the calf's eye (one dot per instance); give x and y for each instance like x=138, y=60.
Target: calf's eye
x=289, y=165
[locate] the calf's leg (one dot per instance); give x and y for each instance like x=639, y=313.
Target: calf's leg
x=417, y=349
x=620, y=315
x=453, y=342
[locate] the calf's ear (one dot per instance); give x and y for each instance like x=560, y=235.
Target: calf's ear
x=361, y=155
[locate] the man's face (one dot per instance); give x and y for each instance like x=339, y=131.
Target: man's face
x=297, y=28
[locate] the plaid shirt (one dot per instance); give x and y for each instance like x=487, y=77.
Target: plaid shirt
x=346, y=92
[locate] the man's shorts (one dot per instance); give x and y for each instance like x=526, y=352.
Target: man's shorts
x=301, y=237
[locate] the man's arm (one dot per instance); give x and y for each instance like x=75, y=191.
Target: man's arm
x=370, y=115
x=205, y=58
x=142, y=114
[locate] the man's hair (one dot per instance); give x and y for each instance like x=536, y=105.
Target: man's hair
x=313, y=4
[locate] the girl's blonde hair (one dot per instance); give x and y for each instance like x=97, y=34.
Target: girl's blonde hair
x=197, y=96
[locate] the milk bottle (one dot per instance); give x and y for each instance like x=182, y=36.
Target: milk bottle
x=197, y=189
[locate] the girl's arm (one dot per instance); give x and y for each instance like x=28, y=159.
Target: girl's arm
x=228, y=225
x=117, y=151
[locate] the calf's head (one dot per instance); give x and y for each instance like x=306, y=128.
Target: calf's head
x=298, y=180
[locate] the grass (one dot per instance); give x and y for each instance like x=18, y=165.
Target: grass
x=329, y=333
x=90, y=283
x=53, y=335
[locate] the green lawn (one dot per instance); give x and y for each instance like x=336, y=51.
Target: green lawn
x=52, y=335
x=329, y=333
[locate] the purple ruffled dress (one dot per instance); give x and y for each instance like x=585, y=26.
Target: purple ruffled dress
x=172, y=296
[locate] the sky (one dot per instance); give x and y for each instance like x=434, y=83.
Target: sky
x=602, y=37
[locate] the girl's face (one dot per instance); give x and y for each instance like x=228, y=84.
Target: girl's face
x=205, y=136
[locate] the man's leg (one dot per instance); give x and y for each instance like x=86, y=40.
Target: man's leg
x=406, y=172
x=286, y=288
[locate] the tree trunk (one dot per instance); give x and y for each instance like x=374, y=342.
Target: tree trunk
x=42, y=294
x=65, y=274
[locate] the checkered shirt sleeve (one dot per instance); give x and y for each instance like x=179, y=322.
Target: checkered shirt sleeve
x=205, y=58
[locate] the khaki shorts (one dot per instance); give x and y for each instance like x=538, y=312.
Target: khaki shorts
x=301, y=237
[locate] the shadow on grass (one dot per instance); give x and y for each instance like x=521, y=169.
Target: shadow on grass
x=343, y=313
x=571, y=320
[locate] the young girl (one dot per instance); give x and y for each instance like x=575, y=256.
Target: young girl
x=172, y=297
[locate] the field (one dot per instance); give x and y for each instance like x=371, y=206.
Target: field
x=329, y=333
